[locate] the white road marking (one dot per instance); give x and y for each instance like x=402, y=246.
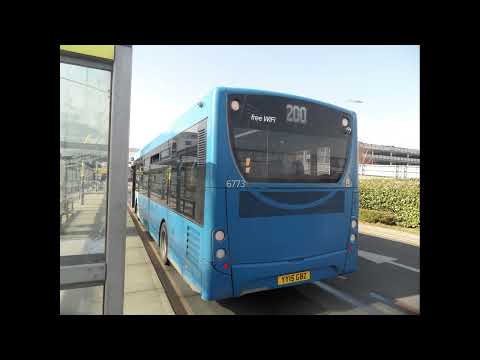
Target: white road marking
x=380, y=259
x=347, y=298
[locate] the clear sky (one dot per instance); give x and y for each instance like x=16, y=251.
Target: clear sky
x=167, y=80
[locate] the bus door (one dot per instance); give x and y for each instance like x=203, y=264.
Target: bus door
x=176, y=223
x=146, y=206
x=143, y=201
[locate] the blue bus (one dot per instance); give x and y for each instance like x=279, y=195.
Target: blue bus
x=252, y=190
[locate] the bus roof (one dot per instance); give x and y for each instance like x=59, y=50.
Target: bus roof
x=276, y=93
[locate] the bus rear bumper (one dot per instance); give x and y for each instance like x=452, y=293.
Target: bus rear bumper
x=262, y=276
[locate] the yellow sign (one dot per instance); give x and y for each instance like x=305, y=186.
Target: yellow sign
x=100, y=51
x=102, y=170
x=294, y=277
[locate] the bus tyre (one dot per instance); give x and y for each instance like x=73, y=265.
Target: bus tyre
x=164, y=244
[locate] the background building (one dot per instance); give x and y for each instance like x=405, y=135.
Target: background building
x=387, y=155
x=131, y=152
x=131, y=155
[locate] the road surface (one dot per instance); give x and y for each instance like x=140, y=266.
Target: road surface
x=387, y=283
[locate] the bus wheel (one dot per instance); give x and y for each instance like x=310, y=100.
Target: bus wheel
x=164, y=244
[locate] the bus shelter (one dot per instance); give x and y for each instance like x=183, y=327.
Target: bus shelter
x=95, y=85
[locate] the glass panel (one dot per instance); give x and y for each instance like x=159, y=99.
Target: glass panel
x=278, y=139
x=84, y=130
x=158, y=185
x=83, y=301
x=177, y=172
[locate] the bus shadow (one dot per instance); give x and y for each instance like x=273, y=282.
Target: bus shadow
x=306, y=299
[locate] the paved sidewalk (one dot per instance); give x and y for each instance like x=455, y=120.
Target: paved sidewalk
x=390, y=234
x=144, y=293
x=83, y=232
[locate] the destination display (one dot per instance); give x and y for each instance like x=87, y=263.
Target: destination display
x=278, y=113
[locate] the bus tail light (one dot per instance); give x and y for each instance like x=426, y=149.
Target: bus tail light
x=220, y=253
x=219, y=235
x=235, y=105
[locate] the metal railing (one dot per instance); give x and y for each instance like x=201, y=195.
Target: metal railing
x=390, y=171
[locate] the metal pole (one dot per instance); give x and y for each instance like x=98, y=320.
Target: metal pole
x=82, y=191
x=96, y=176
x=82, y=181
x=117, y=181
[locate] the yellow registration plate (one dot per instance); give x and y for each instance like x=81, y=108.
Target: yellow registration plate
x=294, y=277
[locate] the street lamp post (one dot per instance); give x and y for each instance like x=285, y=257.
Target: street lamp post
x=356, y=101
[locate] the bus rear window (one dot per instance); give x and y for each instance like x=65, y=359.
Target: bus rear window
x=279, y=139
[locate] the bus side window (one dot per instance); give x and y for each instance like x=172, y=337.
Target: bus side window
x=156, y=186
x=172, y=189
x=181, y=182
x=189, y=188
x=145, y=183
x=164, y=184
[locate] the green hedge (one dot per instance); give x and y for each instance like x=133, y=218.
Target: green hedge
x=376, y=216
x=400, y=198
